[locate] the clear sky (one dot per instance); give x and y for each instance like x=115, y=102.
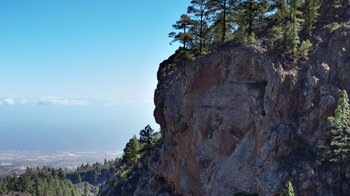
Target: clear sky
x=106, y=49
x=65, y=67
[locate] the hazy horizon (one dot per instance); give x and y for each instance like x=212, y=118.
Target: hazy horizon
x=80, y=75
x=93, y=127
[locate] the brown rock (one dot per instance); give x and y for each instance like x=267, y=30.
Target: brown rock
x=232, y=120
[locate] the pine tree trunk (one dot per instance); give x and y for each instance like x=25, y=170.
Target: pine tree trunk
x=250, y=25
x=285, y=37
x=223, y=39
x=201, y=34
x=285, y=33
x=308, y=17
x=294, y=30
x=185, y=37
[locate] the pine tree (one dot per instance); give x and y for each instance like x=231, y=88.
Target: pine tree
x=289, y=19
x=61, y=174
x=79, y=178
x=294, y=40
x=132, y=151
x=304, y=48
x=147, y=138
x=282, y=17
x=95, y=175
x=289, y=189
x=25, y=184
x=338, y=151
x=3, y=188
x=275, y=34
x=39, y=186
x=222, y=12
x=310, y=14
x=86, y=189
x=184, y=35
x=250, y=13
x=200, y=16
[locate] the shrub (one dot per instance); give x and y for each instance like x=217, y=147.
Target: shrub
x=304, y=48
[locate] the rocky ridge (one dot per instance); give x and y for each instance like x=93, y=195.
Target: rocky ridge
x=239, y=120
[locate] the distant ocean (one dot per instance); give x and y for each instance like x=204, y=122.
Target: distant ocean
x=90, y=127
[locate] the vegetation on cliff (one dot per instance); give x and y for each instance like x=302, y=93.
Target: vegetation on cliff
x=133, y=165
x=337, y=152
x=285, y=28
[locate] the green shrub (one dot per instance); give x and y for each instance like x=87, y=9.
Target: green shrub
x=304, y=48
x=184, y=56
x=252, y=38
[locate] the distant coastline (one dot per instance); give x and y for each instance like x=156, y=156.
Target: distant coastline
x=15, y=162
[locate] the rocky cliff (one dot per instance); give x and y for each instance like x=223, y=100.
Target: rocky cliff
x=240, y=120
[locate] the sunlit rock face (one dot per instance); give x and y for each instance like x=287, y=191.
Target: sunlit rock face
x=238, y=120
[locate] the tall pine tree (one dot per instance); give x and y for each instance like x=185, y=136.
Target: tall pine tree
x=222, y=13
x=147, y=138
x=338, y=151
x=200, y=16
x=294, y=40
x=289, y=19
x=251, y=11
x=311, y=8
x=282, y=17
x=132, y=151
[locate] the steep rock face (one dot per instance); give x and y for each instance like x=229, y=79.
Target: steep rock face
x=330, y=13
x=237, y=120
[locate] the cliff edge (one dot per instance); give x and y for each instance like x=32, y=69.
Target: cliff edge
x=239, y=120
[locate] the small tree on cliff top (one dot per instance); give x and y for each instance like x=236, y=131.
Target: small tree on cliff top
x=250, y=12
x=183, y=35
x=200, y=16
x=221, y=16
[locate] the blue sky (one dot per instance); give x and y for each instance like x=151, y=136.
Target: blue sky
x=84, y=48
x=80, y=70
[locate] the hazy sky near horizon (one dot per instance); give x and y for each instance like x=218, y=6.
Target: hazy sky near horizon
x=80, y=74
x=84, y=48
